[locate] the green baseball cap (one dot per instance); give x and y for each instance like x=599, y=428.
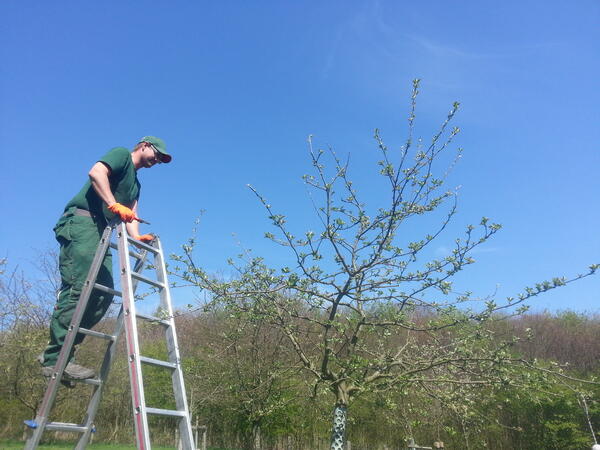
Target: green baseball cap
x=160, y=147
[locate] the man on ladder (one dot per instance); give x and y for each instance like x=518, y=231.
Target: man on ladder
x=105, y=206
x=112, y=190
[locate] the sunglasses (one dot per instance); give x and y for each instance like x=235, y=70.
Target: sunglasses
x=157, y=154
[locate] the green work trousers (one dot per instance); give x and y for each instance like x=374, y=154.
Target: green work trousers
x=78, y=237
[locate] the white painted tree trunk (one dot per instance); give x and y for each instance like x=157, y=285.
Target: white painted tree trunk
x=338, y=435
x=256, y=441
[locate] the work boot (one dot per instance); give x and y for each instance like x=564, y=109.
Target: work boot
x=77, y=372
x=72, y=371
x=47, y=372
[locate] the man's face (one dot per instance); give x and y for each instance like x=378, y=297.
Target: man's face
x=150, y=156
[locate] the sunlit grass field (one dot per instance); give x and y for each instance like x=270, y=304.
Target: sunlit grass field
x=16, y=445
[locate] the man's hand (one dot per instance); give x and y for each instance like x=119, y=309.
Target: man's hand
x=126, y=214
x=145, y=237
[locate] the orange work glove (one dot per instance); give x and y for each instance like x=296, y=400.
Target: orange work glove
x=126, y=214
x=144, y=237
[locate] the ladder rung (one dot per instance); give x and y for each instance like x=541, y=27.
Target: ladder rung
x=107, y=290
x=141, y=245
x=131, y=252
x=108, y=337
x=158, y=362
x=165, y=412
x=60, y=426
x=153, y=319
x=141, y=277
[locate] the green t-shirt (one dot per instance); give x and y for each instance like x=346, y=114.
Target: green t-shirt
x=123, y=183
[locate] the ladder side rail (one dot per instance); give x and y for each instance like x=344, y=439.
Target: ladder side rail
x=106, y=365
x=140, y=418
x=49, y=397
x=185, y=425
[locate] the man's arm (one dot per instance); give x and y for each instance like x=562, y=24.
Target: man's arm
x=133, y=228
x=99, y=174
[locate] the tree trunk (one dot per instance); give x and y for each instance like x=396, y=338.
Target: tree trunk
x=256, y=445
x=338, y=435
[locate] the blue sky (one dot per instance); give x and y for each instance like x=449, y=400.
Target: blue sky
x=234, y=88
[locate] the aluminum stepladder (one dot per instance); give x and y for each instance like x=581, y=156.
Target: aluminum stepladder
x=127, y=320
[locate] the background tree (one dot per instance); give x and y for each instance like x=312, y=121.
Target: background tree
x=25, y=306
x=240, y=370
x=383, y=313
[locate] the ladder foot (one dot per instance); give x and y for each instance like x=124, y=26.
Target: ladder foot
x=31, y=423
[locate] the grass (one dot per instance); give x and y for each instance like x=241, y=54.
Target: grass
x=17, y=445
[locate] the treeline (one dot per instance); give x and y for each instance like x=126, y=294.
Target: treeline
x=244, y=385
